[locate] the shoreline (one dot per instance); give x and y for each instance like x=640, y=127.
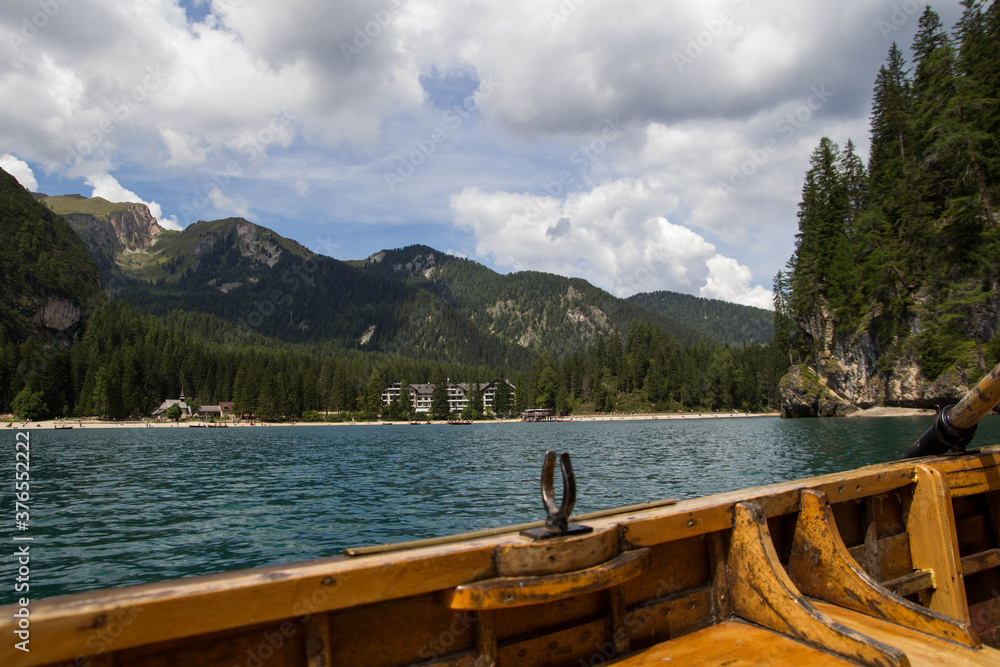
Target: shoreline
x=67, y=424
x=882, y=411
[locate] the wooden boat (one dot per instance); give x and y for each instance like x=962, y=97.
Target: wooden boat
x=894, y=564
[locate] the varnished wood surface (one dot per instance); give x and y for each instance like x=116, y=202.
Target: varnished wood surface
x=521, y=591
x=762, y=592
x=934, y=542
x=821, y=567
x=732, y=644
x=922, y=650
x=525, y=557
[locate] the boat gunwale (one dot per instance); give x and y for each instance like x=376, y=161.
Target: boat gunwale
x=189, y=607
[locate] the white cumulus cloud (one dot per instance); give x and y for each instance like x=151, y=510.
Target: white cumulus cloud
x=236, y=206
x=716, y=106
x=615, y=235
x=20, y=170
x=729, y=280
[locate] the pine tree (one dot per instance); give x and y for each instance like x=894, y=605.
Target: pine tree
x=855, y=175
x=893, y=228
x=822, y=262
x=890, y=126
x=440, y=409
x=503, y=400
x=544, y=382
x=786, y=330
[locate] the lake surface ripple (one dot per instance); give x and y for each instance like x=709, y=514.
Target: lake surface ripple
x=118, y=507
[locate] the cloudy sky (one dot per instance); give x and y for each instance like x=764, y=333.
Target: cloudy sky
x=642, y=145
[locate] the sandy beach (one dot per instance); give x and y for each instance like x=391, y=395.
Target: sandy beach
x=50, y=424
x=882, y=411
x=54, y=424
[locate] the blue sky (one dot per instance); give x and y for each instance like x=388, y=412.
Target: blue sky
x=639, y=145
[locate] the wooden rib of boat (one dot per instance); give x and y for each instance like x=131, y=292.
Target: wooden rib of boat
x=894, y=564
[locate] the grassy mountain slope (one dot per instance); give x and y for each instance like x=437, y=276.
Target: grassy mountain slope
x=725, y=321
x=539, y=311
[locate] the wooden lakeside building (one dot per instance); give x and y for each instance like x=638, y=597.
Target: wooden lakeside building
x=538, y=415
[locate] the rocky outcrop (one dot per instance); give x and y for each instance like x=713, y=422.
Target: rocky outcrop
x=58, y=313
x=851, y=371
x=130, y=229
x=804, y=394
x=134, y=227
x=258, y=243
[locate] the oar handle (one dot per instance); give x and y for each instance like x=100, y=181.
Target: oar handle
x=978, y=402
x=955, y=426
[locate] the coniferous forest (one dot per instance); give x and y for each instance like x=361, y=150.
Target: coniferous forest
x=126, y=362
x=905, y=249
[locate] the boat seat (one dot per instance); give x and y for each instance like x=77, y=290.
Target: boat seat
x=734, y=644
x=920, y=648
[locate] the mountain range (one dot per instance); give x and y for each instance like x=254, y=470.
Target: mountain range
x=252, y=283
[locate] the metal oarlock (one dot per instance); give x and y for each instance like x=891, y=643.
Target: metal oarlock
x=557, y=518
x=941, y=437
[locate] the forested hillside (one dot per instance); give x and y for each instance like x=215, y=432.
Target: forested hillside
x=229, y=311
x=539, y=311
x=892, y=293
x=268, y=285
x=724, y=321
x=46, y=274
x=651, y=371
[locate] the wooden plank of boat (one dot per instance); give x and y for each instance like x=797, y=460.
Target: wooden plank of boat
x=732, y=643
x=921, y=649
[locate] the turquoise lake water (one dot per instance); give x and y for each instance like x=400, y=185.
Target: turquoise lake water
x=111, y=508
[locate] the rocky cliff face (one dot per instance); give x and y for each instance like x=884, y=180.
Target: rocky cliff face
x=59, y=313
x=851, y=371
x=130, y=229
